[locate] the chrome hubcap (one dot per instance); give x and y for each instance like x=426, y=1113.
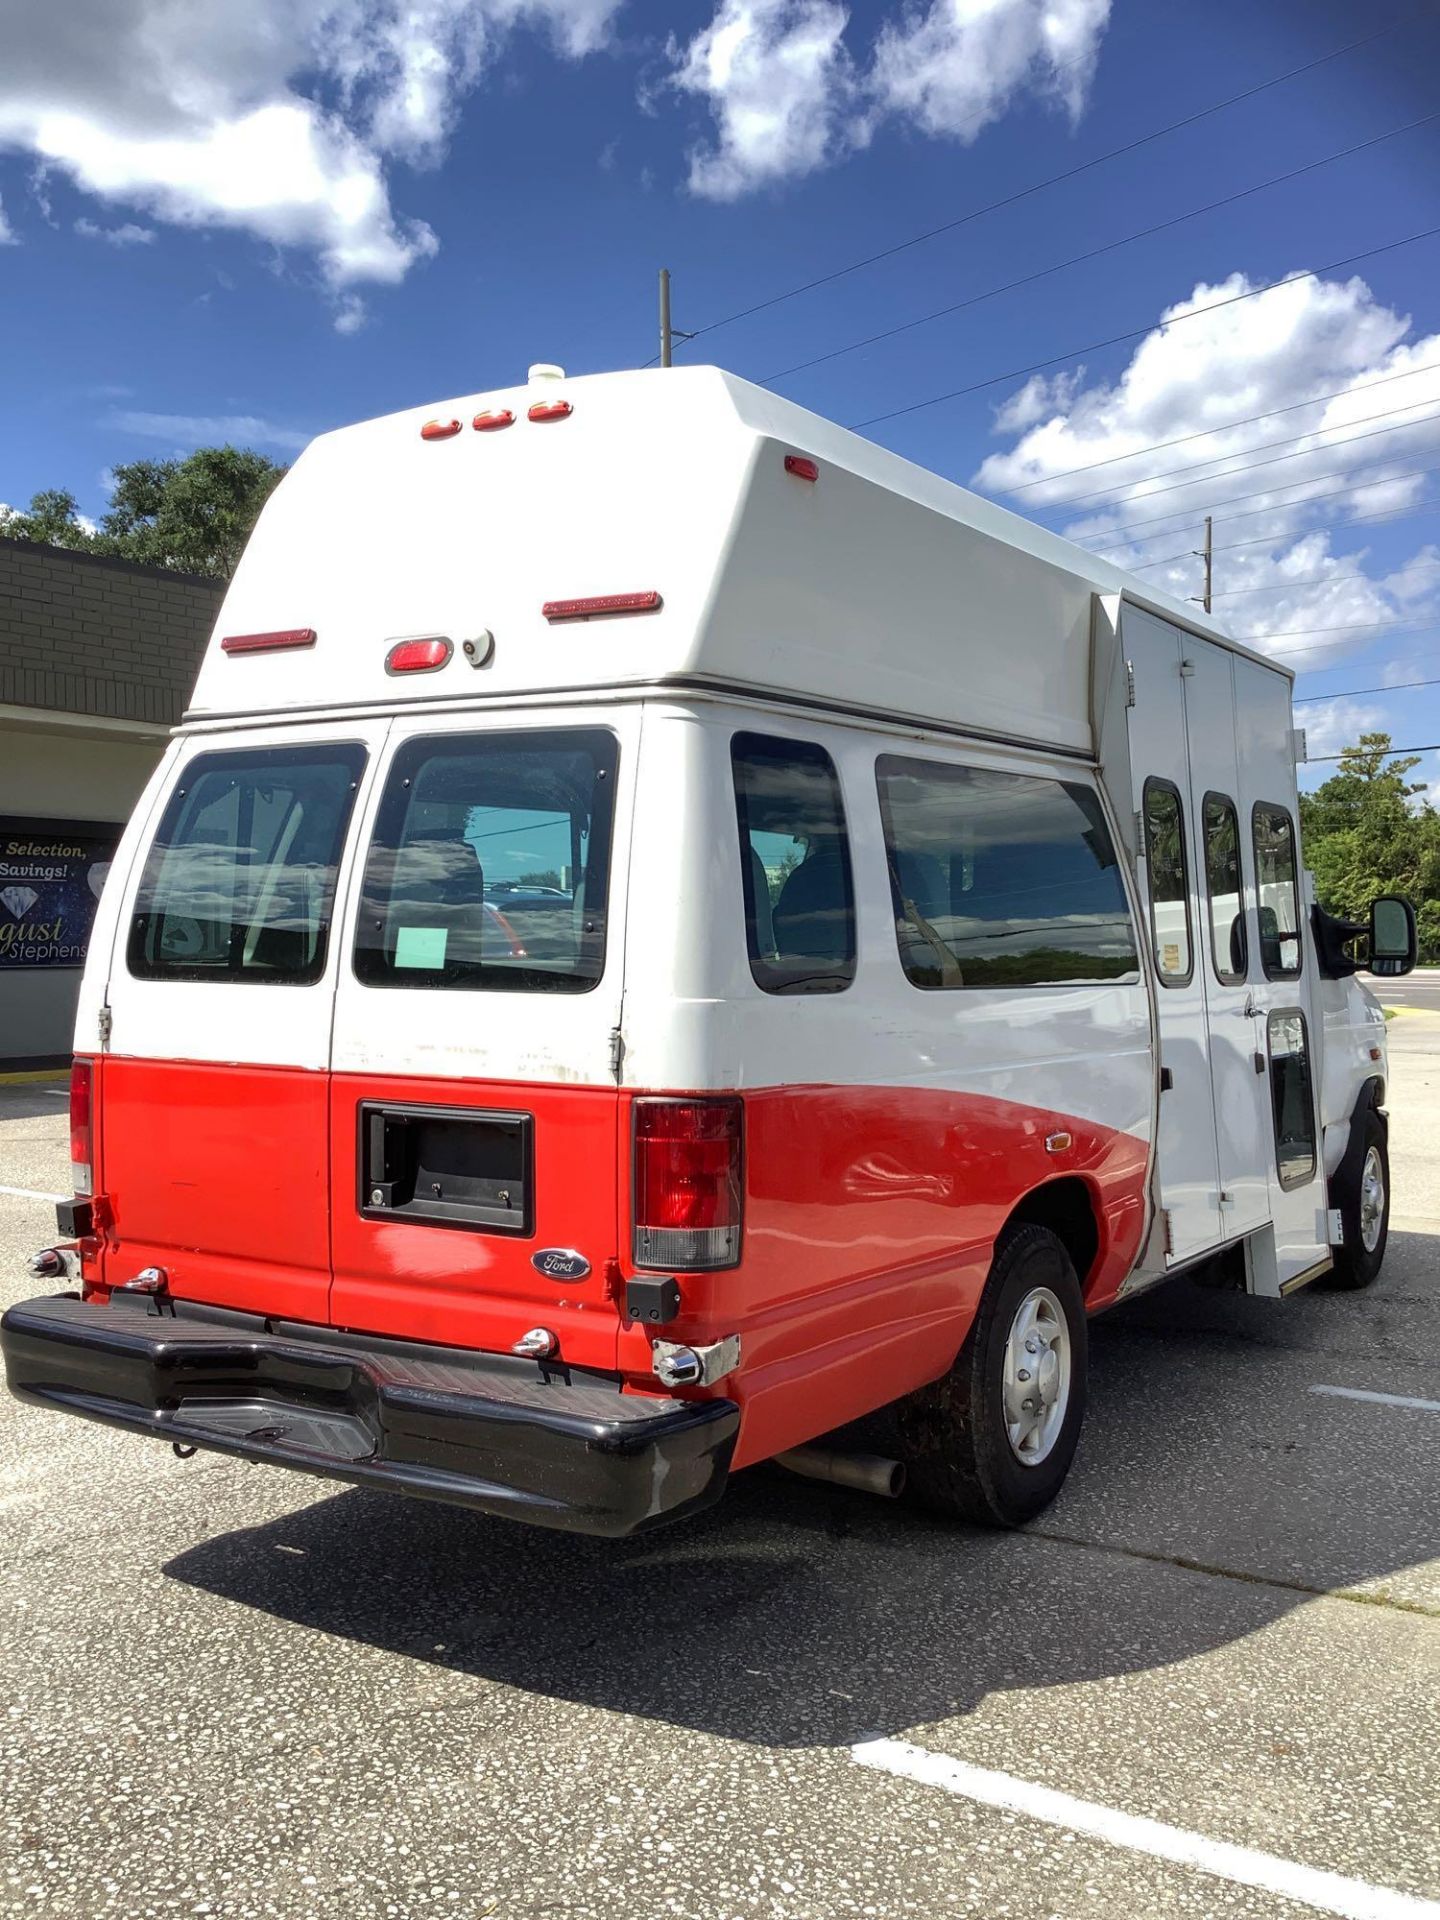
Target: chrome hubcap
x=1372, y=1200
x=1037, y=1376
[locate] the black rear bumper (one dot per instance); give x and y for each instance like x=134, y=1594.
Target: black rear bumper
x=527, y=1440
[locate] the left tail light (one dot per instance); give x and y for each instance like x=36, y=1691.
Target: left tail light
x=688, y=1179
x=82, y=1126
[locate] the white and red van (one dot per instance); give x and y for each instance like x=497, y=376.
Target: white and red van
x=666, y=930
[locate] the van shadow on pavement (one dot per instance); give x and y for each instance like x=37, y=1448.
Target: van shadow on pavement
x=796, y=1614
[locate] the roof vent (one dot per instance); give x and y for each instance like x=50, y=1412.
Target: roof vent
x=542, y=370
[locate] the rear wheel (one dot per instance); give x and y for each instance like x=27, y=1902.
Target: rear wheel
x=1365, y=1210
x=993, y=1441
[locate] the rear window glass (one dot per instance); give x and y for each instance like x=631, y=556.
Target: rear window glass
x=490, y=865
x=239, y=882
x=1276, y=892
x=795, y=864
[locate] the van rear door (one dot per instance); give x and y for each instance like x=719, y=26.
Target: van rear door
x=475, y=1157
x=214, y=1127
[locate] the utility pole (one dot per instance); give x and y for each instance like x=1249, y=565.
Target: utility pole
x=1207, y=554
x=666, y=336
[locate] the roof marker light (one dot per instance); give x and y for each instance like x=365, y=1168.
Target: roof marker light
x=802, y=468
x=268, y=642
x=439, y=429
x=648, y=602
x=489, y=422
x=418, y=656
x=550, y=410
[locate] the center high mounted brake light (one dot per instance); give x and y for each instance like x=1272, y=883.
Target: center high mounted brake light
x=268, y=642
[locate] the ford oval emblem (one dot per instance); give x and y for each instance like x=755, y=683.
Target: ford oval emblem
x=560, y=1263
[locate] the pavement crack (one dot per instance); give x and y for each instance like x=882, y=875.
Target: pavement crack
x=1355, y=1596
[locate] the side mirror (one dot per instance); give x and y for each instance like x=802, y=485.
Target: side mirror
x=1394, y=940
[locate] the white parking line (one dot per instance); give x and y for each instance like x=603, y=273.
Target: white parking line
x=29, y=1193
x=1382, y=1399
x=1329, y=1892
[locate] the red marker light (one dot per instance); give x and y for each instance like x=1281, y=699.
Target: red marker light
x=550, y=410
x=268, y=642
x=802, y=468
x=649, y=602
x=417, y=656
x=489, y=422
x=439, y=429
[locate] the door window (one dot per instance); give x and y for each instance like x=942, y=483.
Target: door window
x=1292, y=1096
x=490, y=864
x=795, y=865
x=1167, y=866
x=1224, y=889
x=1001, y=879
x=1276, y=892
x=239, y=882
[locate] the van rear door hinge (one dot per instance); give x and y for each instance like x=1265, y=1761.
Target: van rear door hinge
x=106, y=1022
x=1129, y=683
x=617, y=1051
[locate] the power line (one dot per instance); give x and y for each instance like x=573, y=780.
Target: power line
x=1335, y=493
x=1322, y=579
x=1334, y=526
x=1260, y=643
x=1228, y=426
x=1318, y=759
x=1040, y=186
x=1095, y=253
x=1194, y=480
x=1136, y=333
x=1354, y=693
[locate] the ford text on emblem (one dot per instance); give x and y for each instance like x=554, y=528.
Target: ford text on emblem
x=560, y=1263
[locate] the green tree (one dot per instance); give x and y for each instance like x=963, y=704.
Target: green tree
x=1367, y=830
x=194, y=515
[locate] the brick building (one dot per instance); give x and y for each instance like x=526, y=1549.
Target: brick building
x=97, y=658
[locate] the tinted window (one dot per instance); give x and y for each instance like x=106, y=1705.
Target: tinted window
x=1169, y=882
x=1224, y=890
x=795, y=864
x=1292, y=1097
x=240, y=879
x=1276, y=893
x=490, y=864
x=1001, y=879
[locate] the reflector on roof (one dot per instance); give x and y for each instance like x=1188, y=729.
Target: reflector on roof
x=801, y=466
x=647, y=602
x=439, y=429
x=496, y=417
x=550, y=410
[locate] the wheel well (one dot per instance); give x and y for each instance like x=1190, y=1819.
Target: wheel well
x=1066, y=1208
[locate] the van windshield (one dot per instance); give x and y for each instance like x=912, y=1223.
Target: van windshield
x=490, y=864
x=240, y=878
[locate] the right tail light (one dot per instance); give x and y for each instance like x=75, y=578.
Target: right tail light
x=82, y=1127
x=689, y=1191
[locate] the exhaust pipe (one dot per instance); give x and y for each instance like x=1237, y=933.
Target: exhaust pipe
x=865, y=1472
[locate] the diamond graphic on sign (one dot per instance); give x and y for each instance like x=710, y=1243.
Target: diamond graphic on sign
x=96, y=876
x=18, y=900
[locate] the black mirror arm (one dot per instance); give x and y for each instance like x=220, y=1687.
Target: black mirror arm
x=1330, y=937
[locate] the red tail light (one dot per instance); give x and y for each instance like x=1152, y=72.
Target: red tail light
x=688, y=1184
x=82, y=1154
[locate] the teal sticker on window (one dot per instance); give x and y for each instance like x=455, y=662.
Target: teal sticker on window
x=420, y=947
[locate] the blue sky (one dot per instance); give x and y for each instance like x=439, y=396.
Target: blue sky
x=255, y=223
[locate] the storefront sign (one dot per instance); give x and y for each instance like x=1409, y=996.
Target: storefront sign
x=51, y=874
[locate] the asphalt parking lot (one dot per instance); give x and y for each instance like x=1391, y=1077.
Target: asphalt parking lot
x=1207, y=1682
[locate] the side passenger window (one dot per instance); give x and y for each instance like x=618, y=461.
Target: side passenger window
x=1276, y=892
x=1169, y=883
x=795, y=864
x=1229, y=950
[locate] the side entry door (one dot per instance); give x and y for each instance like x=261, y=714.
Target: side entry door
x=1185, y=1143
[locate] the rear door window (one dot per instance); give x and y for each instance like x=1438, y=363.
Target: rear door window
x=490, y=864
x=1276, y=892
x=1169, y=883
x=239, y=883
x=795, y=864
x=1224, y=890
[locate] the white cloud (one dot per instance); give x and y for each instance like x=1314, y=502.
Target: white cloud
x=276, y=118
x=788, y=95
x=7, y=232
x=127, y=235
x=1335, y=358
x=1332, y=725
x=209, y=430
x=958, y=65
x=782, y=88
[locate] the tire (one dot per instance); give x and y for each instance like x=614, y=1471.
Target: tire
x=1359, y=1259
x=955, y=1435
